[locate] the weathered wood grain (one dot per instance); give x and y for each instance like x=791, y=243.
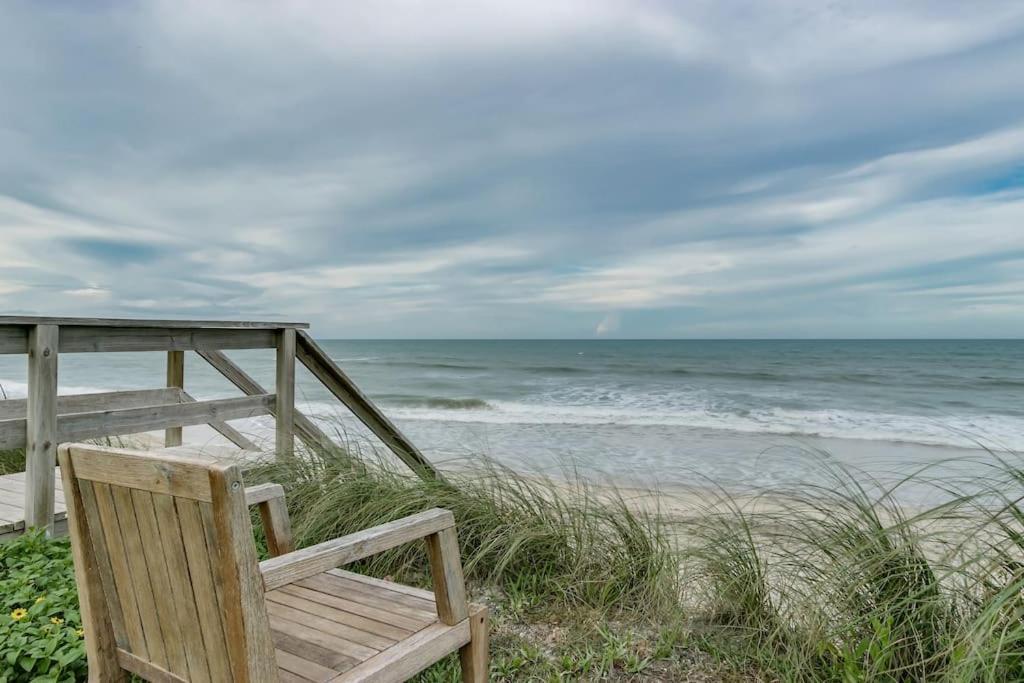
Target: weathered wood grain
x=175, y=379
x=41, y=426
x=118, y=339
x=101, y=646
x=446, y=572
x=28, y=320
x=474, y=655
x=15, y=408
x=285, y=390
x=345, y=390
x=410, y=656
x=279, y=571
x=97, y=424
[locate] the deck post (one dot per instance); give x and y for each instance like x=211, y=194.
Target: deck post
x=285, y=389
x=175, y=378
x=41, y=426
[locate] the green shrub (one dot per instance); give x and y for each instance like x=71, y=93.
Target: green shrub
x=40, y=627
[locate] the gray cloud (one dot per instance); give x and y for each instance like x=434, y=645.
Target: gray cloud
x=518, y=169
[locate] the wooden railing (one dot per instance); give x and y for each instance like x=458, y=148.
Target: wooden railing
x=44, y=419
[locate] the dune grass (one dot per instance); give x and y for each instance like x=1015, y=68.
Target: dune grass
x=559, y=543
x=12, y=460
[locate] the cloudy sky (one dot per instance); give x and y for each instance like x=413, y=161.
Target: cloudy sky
x=554, y=168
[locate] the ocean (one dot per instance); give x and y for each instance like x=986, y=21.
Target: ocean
x=665, y=412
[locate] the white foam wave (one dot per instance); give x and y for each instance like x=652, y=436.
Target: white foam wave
x=996, y=431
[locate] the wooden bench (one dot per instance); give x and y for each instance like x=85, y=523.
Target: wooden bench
x=171, y=590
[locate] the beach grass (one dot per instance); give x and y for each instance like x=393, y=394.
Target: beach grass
x=12, y=461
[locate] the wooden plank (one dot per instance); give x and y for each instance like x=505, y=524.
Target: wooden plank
x=303, y=668
x=474, y=656
x=23, y=320
x=175, y=379
x=247, y=628
x=184, y=612
x=446, y=572
x=13, y=339
x=139, y=470
x=145, y=593
x=94, y=425
x=346, y=391
x=311, y=651
x=305, y=429
x=279, y=571
x=380, y=601
x=276, y=526
x=285, y=390
x=12, y=512
x=120, y=569
x=147, y=418
x=98, y=538
x=404, y=619
x=117, y=339
x=260, y=493
x=201, y=561
x=386, y=585
x=100, y=646
x=41, y=426
x=16, y=408
x=12, y=433
x=302, y=630
x=393, y=599
x=159, y=579
x=410, y=656
x=277, y=606
x=146, y=670
x=224, y=429
x=310, y=601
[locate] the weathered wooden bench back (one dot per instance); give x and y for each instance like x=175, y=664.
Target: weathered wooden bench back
x=164, y=549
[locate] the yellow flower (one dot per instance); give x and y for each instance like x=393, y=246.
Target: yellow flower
x=41, y=598
x=56, y=621
x=79, y=632
x=19, y=614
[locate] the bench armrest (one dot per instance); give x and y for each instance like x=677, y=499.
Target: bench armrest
x=301, y=564
x=274, y=513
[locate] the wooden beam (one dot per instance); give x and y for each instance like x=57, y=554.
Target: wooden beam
x=346, y=391
x=13, y=339
x=30, y=321
x=83, y=403
x=109, y=339
x=224, y=429
x=175, y=378
x=80, y=426
x=285, y=390
x=305, y=429
x=41, y=426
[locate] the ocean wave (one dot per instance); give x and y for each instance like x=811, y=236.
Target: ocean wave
x=434, y=402
x=554, y=369
x=996, y=431
x=438, y=365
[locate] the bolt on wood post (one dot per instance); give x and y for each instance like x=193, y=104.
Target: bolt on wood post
x=175, y=378
x=41, y=426
x=285, y=388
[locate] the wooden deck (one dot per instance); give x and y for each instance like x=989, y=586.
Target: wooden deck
x=12, y=506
